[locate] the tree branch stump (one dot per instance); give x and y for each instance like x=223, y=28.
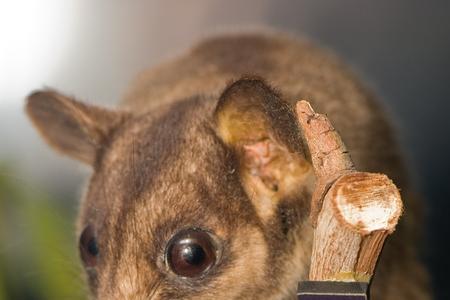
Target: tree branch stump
x=352, y=212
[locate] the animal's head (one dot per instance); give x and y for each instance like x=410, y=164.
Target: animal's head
x=203, y=199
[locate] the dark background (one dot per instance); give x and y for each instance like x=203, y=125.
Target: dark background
x=93, y=49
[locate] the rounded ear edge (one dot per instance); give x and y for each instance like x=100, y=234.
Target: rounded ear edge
x=246, y=82
x=69, y=126
x=249, y=109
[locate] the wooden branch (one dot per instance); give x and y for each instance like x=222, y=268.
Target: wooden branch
x=352, y=212
x=329, y=156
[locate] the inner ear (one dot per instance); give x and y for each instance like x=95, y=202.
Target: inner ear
x=253, y=119
x=250, y=110
x=74, y=128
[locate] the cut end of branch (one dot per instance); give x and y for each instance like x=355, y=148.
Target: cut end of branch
x=367, y=202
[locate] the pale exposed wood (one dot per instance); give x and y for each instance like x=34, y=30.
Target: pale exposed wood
x=352, y=212
x=366, y=202
x=335, y=248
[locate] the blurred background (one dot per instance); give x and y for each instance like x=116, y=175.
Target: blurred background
x=93, y=49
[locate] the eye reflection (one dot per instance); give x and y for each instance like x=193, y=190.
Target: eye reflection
x=191, y=253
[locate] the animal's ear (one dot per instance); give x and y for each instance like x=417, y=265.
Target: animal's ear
x=262, y=128
x=72, y=127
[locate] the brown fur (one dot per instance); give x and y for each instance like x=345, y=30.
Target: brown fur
x=193, y=150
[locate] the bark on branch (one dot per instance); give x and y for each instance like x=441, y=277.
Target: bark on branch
x=352, y=212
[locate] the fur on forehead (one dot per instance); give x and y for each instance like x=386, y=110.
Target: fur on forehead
x=249, y=135
x=167, y=150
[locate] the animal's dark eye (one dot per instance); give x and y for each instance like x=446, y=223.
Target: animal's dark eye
x=191, y=252
x=88, y=247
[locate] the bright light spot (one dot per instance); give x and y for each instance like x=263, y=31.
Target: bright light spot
x=34, y=36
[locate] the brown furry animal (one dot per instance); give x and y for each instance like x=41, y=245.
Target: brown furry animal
x=201, y=182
